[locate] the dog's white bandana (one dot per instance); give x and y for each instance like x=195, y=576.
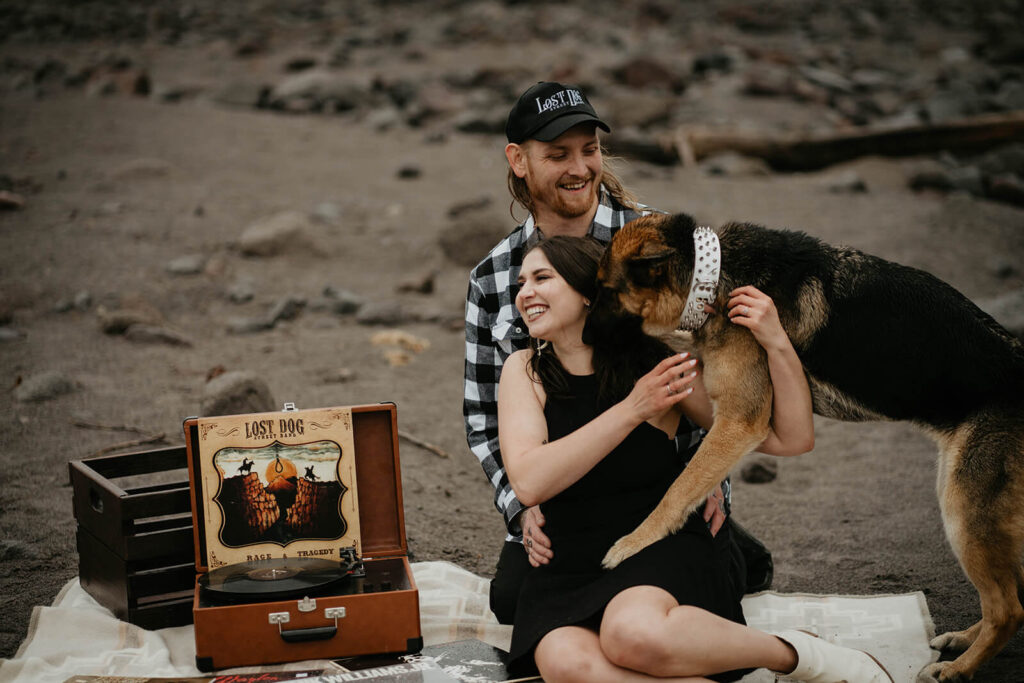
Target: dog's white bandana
x=707, y=264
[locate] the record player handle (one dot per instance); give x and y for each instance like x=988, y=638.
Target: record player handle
x=304, y=635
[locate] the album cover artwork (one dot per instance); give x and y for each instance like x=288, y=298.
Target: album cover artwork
x=278, y=485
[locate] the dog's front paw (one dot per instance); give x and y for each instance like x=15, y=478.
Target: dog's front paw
x=954, y=641
x=624, y=548
x=941, y=672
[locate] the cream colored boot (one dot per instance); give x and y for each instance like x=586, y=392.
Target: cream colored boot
x=819, y=661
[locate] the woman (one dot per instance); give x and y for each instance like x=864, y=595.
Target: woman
x=573, y=431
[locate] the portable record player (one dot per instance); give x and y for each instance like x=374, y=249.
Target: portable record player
x=299, y=537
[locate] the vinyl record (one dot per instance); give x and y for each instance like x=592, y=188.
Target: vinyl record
x=276, y=579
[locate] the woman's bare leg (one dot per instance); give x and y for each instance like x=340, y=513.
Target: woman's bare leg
x=645, y=629
x=573, y=654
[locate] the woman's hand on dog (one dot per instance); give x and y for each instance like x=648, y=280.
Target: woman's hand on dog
x=753, y=309
x=663, y=387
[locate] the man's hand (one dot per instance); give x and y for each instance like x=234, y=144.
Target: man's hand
x=535, y=541
x=714, y=510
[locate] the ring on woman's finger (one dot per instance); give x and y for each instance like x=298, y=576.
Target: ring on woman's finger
x=668, y=388
x=746, y=310
x=529, y=543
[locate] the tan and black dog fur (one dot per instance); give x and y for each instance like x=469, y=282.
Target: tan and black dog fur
x=878, y=341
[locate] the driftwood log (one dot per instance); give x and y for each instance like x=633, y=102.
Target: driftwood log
x=809, y=152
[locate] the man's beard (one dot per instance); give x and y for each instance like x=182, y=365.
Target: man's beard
x=566, y=207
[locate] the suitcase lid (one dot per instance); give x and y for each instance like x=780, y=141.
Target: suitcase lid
x=377, y=473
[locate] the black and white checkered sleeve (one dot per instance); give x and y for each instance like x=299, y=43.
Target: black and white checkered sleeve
x=480, y=401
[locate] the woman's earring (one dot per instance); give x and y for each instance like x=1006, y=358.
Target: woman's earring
x=586, y=304
x=541, y=345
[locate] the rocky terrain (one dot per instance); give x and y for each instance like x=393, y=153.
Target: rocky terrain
x=208, y=207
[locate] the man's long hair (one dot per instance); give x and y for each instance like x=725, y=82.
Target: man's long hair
x=521, y=193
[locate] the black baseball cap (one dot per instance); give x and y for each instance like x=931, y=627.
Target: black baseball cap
x=547, y=110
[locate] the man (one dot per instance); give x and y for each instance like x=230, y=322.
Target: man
x=558, y=174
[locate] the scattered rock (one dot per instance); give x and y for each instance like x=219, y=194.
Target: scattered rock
x=186, y=265
x=44, y=387
x=1010, y=96
x=845, y=182
x=829, y=80
x=1001, y=160
x=241, y=292
x=708, y=62
x=119, y=320
x=339, y=376
x=646, y=72
x=759, y=470
x=275, y=234
x=236, y=392
x=319, y=90
x=957, y=100
x=1007, y=187
x=287, y=308
x=397, y=358
x=384, y=313
x=106, y=82
x=409, y=171
x=938, y=177
x=489, y=121
x=421, y=284
x=1003, y=267
x=154, y=334
x=302, y=63
x=469, y=206
x=10, y=201
x=767, y=80
x=110, y=208
x=241, y=94
x=248, y=325
x=326, y=212
x=177, y=92
x=384, y=118
x=407, y=341
x=82, y=300
x=9, y=334
x=734, y=165
x=343, y=302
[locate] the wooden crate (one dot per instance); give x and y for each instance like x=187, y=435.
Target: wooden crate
x=135, y=538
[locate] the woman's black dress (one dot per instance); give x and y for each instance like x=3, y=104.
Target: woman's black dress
x=584, y=521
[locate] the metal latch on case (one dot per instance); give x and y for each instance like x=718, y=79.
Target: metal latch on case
x=307, y=634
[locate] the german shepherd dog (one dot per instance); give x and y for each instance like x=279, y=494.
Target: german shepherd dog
x=878, y=341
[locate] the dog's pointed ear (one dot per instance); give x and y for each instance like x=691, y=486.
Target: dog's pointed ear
x=653, y=255
x=646, y=268
x=655, y=259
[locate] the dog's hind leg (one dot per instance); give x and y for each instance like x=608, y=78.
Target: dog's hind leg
x=981, y=486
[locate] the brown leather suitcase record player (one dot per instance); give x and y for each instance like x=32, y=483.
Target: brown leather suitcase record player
x=259, y=516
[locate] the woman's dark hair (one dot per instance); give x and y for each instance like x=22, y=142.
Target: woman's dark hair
x=618, y=363
x=575, y=260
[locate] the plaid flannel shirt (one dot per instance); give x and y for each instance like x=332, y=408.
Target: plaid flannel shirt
x=494, y=330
